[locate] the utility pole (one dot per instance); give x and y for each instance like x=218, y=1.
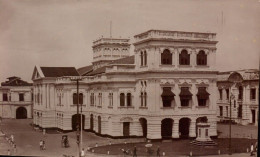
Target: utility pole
x=79, y=120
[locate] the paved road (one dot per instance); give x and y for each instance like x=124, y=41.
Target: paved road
x=27, y=139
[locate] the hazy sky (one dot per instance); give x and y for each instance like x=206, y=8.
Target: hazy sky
x=61, y=32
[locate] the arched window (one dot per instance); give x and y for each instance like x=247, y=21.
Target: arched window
x=75, y=98
x=240, y=94
x=145, y=58
x=141, y=58
x=166, y=57
x=145, y=99
x=128, y=99
x=184, y=58
x=201, y=58
x=80, y=98
x=122, y=99
x=142, y=95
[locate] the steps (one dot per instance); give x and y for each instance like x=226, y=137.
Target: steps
x=203, y=143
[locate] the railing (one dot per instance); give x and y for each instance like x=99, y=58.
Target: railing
x=110, y=40
x=175, y=35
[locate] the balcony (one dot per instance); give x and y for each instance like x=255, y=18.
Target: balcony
x=16, y=102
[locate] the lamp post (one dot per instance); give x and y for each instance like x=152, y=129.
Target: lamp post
x=231, y=98
x=79, y=134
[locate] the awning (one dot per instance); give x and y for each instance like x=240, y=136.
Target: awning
x=167, y=94
x=202, y=93
x=185, y=93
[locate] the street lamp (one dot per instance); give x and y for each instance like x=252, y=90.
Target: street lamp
x=79, y=135
x=231, y=98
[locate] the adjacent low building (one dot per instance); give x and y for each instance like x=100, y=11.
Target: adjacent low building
x=241, y=90
x=16, y=99
x=162, y=91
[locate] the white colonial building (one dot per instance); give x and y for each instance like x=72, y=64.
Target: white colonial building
x=244, y=86
x=162, y=91
x=16, y=98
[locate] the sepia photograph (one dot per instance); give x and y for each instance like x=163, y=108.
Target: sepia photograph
x=129, y=78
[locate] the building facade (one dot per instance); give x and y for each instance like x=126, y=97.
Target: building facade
x=16, y=98
x=162, y=91
x=241, y=90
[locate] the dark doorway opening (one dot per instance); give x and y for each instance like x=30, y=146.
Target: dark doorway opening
x=253, y=116
x=76, y=122
x=91, y=122
x=166, y=128
x=21, y=113
x=184, y=126
x=143, y=122
x=126, y=128
x=99, y=124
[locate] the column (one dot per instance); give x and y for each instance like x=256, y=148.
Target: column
x=194, y=99
x=175, y=129
x=177, y=97
x=176, y=58
x=192, y=131
x=154, y=129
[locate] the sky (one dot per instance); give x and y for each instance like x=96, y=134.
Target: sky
x=61, y=32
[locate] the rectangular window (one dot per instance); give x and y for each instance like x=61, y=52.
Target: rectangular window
x=5, y=97
x=252, y=93
x=92, y=99
x=21, y=96
x=227, y=92
x=227, y=111
x=239, y=115
x=110, y=99
x=220, y=94
x=221, y=111
x=142, y=96
x=207, y=132
x=100, y=99
x=75, y=99
x=185, y=102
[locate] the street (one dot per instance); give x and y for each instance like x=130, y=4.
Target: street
x=27, y=139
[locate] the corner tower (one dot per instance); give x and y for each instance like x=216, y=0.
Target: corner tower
x=108, y=49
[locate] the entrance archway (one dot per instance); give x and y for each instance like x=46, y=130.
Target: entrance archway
x=76, y=120
x=143, y=122
x=184, y=127
x=21, y=113
x=166, y=128
x=91, y=122
x=99, y=124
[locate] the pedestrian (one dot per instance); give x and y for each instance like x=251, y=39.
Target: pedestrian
x=41, y=143
x=158, y=151
x=15, y=149
x=251, y=149
x=8, y=152
x=82, y=153
x=12, y=138
x=135, y=152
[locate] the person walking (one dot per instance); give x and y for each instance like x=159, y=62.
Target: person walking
x=12, y=138
x=82, y=154
x=158, y=152
x=41, y=144
x=251, y=149
x=8, y=152
x=135, y=152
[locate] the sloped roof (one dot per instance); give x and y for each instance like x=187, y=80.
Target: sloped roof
x=126, y=60
x=59, y=71
x=15, y=81
x=97, y=71
x=84, y=70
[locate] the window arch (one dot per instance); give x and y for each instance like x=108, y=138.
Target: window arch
x=166, y=57
x=184, y=58
x=201, y=58
x=128, y=99
x=141, y=58
x=145, y=58
x=122, y=99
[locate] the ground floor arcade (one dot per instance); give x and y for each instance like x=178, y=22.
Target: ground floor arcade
x=151, y=127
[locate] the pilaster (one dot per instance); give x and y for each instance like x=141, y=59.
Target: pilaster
x=175, y=129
